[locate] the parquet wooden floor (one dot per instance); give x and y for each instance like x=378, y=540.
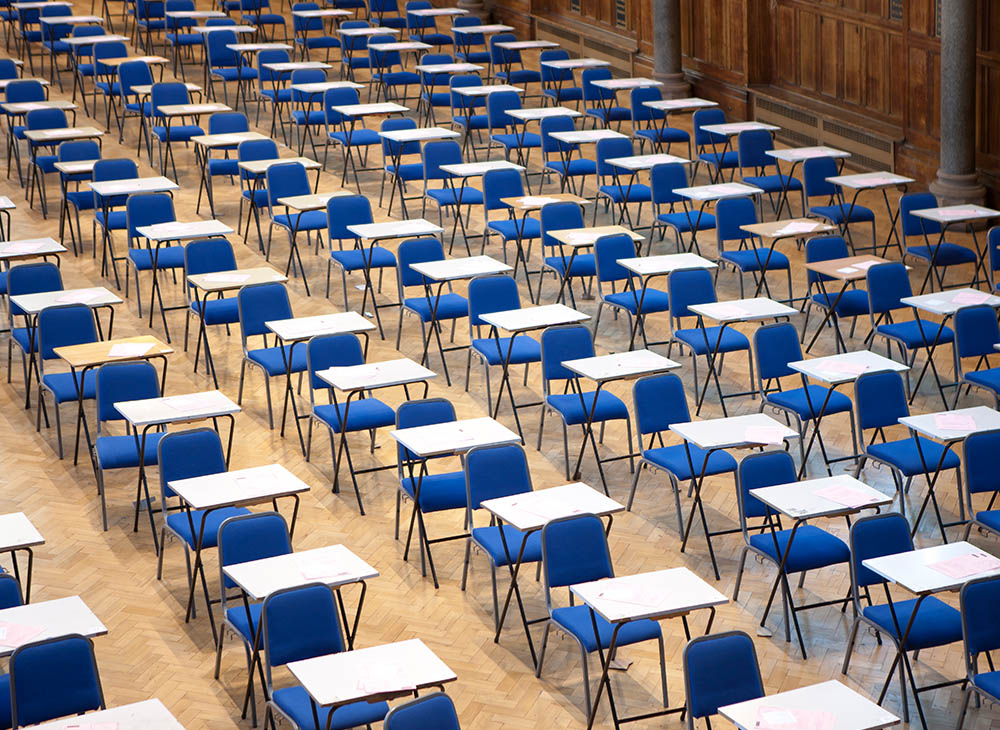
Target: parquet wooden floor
x=150, y=651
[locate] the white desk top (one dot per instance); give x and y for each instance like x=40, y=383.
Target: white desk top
x=431, y=12
x=183, y=231
x=220, y=281
x=526, y=45
x=311, y=201
x=956, y=213
x=474, y=169
x=23, y=107
x=324, y=13
x=419, y=134
x=951, y=426
x=238, y=29
x=5, y=82
x=255, y=47
x=376, y=30
x=537, y=202
x=866, y=180
x=754, y=429
x=656, y=595
x=150, y=60
x=185, y=110
x=176, y=408
x=319, y=87
x=362, y=110
x=91, y=40
x=485, y=89
x=530, y=511
x=646, y=162
x=45, y=620
x=797, y=154
x=6, y=203
x=96, y=296
x=72, y=20
x=572, y=63
x=334, y=566
x=65, y=133
x=825, y=497
x=845, y=367
x=145, y=715
x=259, y=167
x=526, y=319
x=144, y=89
x=395, y=229
x=454, y=437
x=851, y=710
x=29, y=247
x=677, y=105
x=16, y=532
x=916, y=572
x=239, y=487
x=494, y=28
x=534, y=114
x=731, y=129
x=665, y=263
x=636, y=82
x=787, y=228
x=448, y=68
x=298, y=329
x=584, y=237
x=195, y=14
x=948, y=302
x=587, y=136
x=620, y=365
x=155, y=184
x=400, y=46
x=460, y=268
x=376, y=672
x=743, y=310
x=228, y=139
x=371, y=376
x=720, y=191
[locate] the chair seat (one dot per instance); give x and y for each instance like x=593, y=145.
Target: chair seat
x=235, y=73
x=990, y=518
x=614, y=114
x=489, y=539
x=5, y=719
x=571, y=407
x=449, y=306
x=989, y=379
x=576, y=620
x=63, y=386
x=853, y=303
x=437, y=98
x=121, y=452
x=583, y=264
x=262, y=19
x=223, y=166
x=178, y=132
x=520, y=76
x=408, y=172
x=80, y=199
x=684, y=223
x=511, y=228
x=988, y=682
x=168, y=257
x=399, y=78
x=947, y=254
x=474, y=57
x=272, y=359
x=20, y=337
x=364, y=414
x=667, y=135
x=439, y=492
x=218, y=311
x=936, y=623
x=448, y=196
x=654, y=300
x=517, y=141
x=179, y=525
x=184, y=39
x=358, y=138
x=774, y=183
x=840, y=214
x=624, y=193
x=310, y=220
x=577, y=167
x=723, y=160
x=675, y=460
x=812, y=548
x=916, y=333
x=566, y=93
x=278, y=96
x=695, y=338
x=381, y=258
x=434, y=39
x=473, y=121
x=295, y=702
x=753, y=259
x=807, y=402
x=243, y=624
x=307, y=116
x=322, y=41
x=525, y=349
x=903, y=455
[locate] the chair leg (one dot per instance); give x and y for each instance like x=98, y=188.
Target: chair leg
x=739, y=573
x=541, y=652
x=850, y=645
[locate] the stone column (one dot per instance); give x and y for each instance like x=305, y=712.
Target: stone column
x=957, y=181
x=667, y=49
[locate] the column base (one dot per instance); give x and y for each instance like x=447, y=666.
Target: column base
x=675, y=86
x=475, y=7
x=952, y=189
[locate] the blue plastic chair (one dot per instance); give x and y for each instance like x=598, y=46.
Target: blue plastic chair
x=225, y=166
x=500, y=184
x=558, y=216
x=129, y=104
x=981, y=477
x=599, y=103
x=435, y=86
x=765, y=173
x=663, y=180
x=114, y=220
x=650, y=125
x=575, y=550
x=75, y=198
x=301, y=623
x=260, y=303
x=179, y=34
x=976, y=331
x=633, y=300
x=614, y=186
x=507, y=64
x=388, y=73
x=798, y=549
x=465, y=114
x=286, y=180
x=253, y=188
x=938, y=256
x=558, y=84
x=341, y=212
x=386, y=12
x=572, y=342
x=401, y=173
x=503, y=127
x=880, y=401
x=147, y=209
x=934, y=624
x=562, y=158
x=20, y=91
x=706, y=686
x=471, y=41
x=489, y=294
x=310, y=33
x=42, y=160
x=434, y=710
x=351, y=135
x=54, y=678
x=82, y=55
x=224, y=64
x=851, y=304
x=993, y=248
x=354, y=51
x=258, y=13
x=659, y=401
x=207, y=256
x=836, y=211
x=712, y=148
x=30, y=278
x=166, y=94
x=453, y=197
x=978, y=601
x=731, y=214
x=424, y=29
x=307, y=119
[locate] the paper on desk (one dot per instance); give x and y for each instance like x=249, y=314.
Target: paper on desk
x=848, y=270
x=624, y=593
x=806, y=154
x=15, y=635
x=545, y=507
x=410, y=226
x=92, y=726
x=795, y=227
x=764, y=435
x=963, y=566
x=581, y=237
x=729, y=311
x=844, y=366
x=781, y=718
x=322, y=568
x=222, y=278
x=964, y=212
x=19, y=248
x=865, y=265
x=954, y=422
x=81, y=296
x=970, y=297
x=188, y=403
x=129, y=349
x=537, y=200
x=880, y=180
x=641, y=359
x=845, y=495
x=383, y=678
x=461, y=436
x=727, y=188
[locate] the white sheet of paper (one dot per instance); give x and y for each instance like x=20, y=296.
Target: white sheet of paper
x=129, y=349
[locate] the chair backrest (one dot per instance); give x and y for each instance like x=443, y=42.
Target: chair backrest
x=415, y=251
x=217, y=46
x=207, y=255
x=574, y=550
x=380, y=59
x=344, y=211
x=354, y=42
x=719, y=670
x=300, y=24
x=10, y=591
x=285, y=180
x=430, y=711
x=470, y=39
x=911, y=224
x=8, y=69
x=176, y=6
x=418, y=22
x=340, y=96
x=497, y=106
x=775, y=345
x=705, y=117
x=752, y=146
x=187, y=454
x=413, y=413
x=114, y=49
x=607, y=251
x=608, y=149
x=978, y=601
x=590, y=91
x=488, y=294
x=495, y=471
x=390, y=148
x=658, y=402
x=115, y=169
x=872, y=537
x=730, y=214
x=979, y=452
x=438, y=153
x=499, y=184
x=664, y=179
x=24, y=90
x=686, y=287
x=33, y=278
x=219, y=22
x=146, y=209
x=124, y=381
x=460, y=101
x=558, y=217
x=976, y=331
x=330, y=351
x=300, y=623
x=880, y=399
x=45, y=119
x=260, y=303
x=815, y=172
x=434, y=78
x=824, y=248
x=168, y=93
x=761, y=469
x=255, y=149
x=84, y=149
x=565, y=342
x=254, y=536
x=548, y=125
x=64, y=325
x=55, y=31
x=500, y=55
x=228, y=123
x=637, y=104
x=887, y=284
x=306, y=76
x=54, y=678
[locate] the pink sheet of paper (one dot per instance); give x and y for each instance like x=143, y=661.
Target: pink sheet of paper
x=865, y=265
x=954, y=422
x=764, y=435
x=318, y=569
x=847, y=496
x=632, y=596
x=92, y=726
x=958, y=213
x=970, y=297
x=770, y=717
x=14, y=635
x=388, y=678
x=844, y=366
x=728, y=311
x=963, y=566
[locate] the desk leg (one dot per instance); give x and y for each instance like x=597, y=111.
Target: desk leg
x=903, y=662
x=588, y=435
x=514, y=568
x=505, y=380
x=203, y=338
x=930, y=359
x=699, y=506
x=287, y=359
x=931, y=497
x=142, y=489
x=710, y=355
x=830, y=316
x=342, y=450
x=433, y=330
x=605, y=667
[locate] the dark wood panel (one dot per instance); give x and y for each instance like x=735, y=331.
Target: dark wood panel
x=809, y=49
x=988, y=85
